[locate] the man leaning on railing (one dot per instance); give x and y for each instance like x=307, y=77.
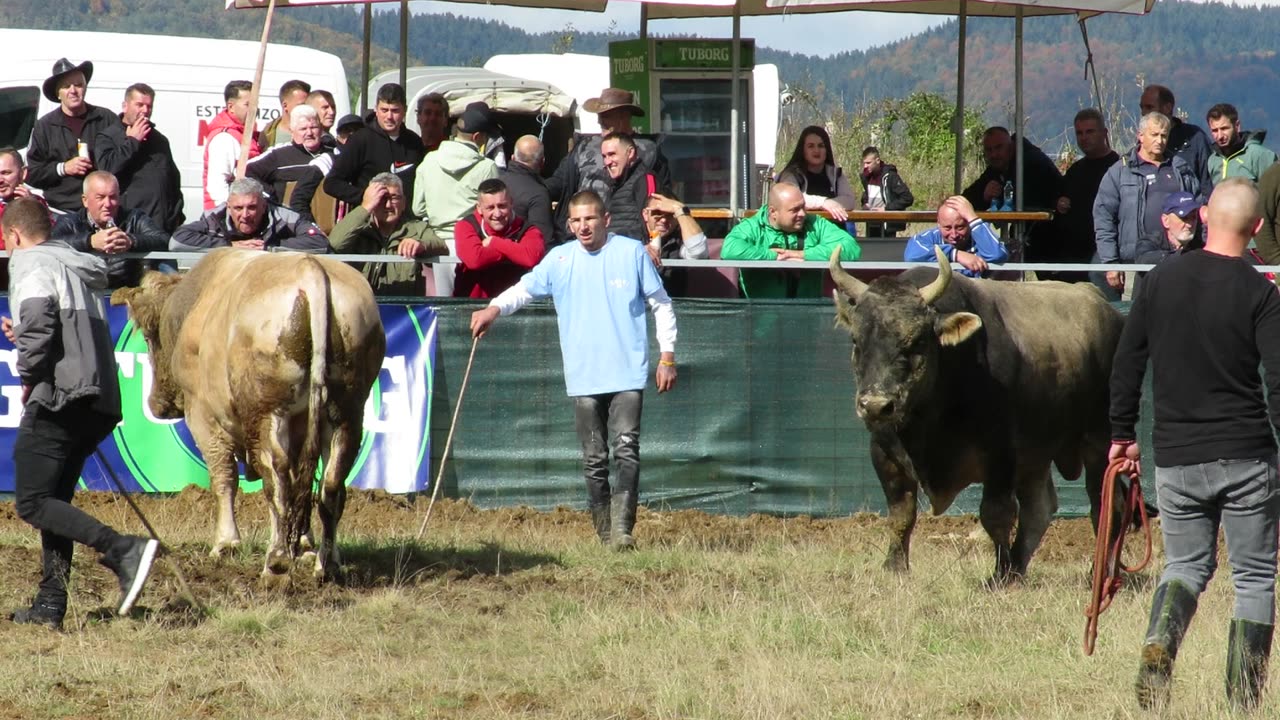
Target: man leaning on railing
x=248, y=220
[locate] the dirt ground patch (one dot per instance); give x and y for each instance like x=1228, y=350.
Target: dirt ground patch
x=377, y=527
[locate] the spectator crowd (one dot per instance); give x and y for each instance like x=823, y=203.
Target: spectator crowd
x=317, y=181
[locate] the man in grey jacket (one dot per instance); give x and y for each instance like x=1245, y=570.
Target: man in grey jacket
x=1132, y=193
x=248, y=220
x=71, y=403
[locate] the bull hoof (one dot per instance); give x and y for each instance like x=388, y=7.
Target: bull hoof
x=1000, y=581
x=278, y=562
x=896, y=564
x=274, y=581
x=221, y=547
x=330, y=572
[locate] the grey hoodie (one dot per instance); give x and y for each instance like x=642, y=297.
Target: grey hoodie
x=64, y=344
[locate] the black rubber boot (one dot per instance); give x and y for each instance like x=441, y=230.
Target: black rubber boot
x=1248, y=649
x=600, y=519
x=1172, y=608
x=624, y=520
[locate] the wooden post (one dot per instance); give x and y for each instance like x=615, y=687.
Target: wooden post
x=251, y=121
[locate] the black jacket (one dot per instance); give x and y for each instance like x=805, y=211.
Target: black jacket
x=1042, y=186
x=52, y=143
x=529, y=197
x=369, y=152
x=897, y=196
x=583, y=169
x=627, y=196
x=279, y=166
x=1192, y=144
x=281, y=228
x=75, y=230
x=149, y=179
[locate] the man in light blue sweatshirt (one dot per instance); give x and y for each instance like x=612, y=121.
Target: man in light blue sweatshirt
x=601, y=286
x=966, y=240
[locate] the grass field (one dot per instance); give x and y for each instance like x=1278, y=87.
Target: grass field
x=514, y=613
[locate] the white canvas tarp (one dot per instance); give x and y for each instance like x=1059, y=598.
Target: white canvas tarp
x=462, y=86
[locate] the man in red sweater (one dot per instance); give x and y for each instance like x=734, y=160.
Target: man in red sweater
x=495, y=247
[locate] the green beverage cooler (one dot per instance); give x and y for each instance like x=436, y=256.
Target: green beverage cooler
x=685, y=87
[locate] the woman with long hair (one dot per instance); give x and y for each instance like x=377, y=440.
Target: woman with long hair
x=813, y=169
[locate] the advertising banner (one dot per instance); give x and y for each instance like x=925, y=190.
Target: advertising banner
x=154, y=455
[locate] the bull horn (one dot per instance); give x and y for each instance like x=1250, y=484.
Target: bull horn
x=851, y=286
x=934, y=290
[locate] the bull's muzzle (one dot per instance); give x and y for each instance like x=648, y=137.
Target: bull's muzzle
x=875, y=407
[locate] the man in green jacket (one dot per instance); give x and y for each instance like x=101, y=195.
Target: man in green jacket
x=1235, y=153
x=783, y=231
x=380, y=226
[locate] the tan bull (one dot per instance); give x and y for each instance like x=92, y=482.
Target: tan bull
x=270, y=358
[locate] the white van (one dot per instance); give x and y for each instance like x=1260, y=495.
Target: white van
x=188, y=75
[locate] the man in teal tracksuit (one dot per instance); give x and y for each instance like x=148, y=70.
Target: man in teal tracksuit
x=783, y=231
x=1235, y=153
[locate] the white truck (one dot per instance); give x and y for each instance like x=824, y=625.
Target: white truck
x=188, y=75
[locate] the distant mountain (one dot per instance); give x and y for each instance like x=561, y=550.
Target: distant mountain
x=1207, y=53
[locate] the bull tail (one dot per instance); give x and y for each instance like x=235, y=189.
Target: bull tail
x=314, y=287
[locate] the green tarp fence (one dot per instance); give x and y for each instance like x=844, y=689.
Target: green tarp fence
x=761, y=420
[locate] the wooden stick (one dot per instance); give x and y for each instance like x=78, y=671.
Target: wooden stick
x=435, y=492
x=251, y=121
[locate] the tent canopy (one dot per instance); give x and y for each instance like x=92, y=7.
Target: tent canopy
x=462, y=86
x=586, y=5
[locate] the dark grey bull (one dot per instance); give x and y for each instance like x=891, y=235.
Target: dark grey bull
x=964, y=381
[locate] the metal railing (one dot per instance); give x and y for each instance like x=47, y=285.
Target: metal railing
x=736, y=264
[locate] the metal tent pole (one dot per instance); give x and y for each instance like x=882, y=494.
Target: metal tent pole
x=1017, y=109
x=364, y=59
x=957, y=120
x=404, y=44
x=735, y=97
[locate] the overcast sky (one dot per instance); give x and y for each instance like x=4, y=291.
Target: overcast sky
x=821, y=34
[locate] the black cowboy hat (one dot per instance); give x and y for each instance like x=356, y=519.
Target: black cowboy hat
x=62, y=68
x=478, y=117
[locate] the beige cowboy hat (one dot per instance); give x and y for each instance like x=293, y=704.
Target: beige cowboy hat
x=61, y=69
x=613, y=99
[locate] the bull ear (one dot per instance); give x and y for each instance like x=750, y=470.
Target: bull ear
x=955, y=328
x=122, y=296
x=844, y=310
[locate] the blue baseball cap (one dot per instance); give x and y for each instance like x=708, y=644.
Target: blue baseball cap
x=1180, y=203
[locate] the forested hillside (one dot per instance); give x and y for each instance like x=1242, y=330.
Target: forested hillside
x=1206, y=52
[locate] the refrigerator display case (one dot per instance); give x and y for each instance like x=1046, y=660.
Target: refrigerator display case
x=685, y=87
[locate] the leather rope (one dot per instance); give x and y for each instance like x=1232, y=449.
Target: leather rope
x=1107, y=565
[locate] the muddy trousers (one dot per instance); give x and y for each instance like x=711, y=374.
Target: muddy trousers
x=1243, y=496
x=48, y=456
x=611, y=419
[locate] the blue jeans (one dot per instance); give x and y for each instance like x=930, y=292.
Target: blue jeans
x=1244, y=497
x=598, y=419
